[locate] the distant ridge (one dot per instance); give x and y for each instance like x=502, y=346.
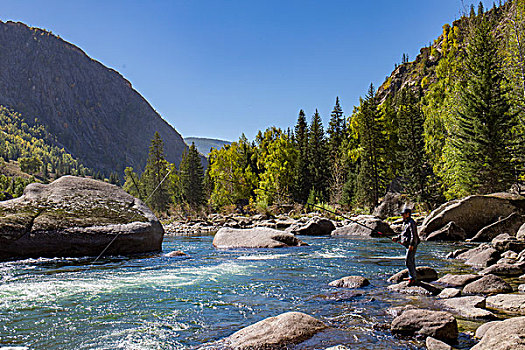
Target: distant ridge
x=92, y=110
x=204, y=145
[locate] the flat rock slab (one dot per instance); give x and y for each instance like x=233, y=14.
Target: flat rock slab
x=350, y=282
x=75, y=216
x=421, y=288
x=449, y=293
x=504, y=335
x=424, y=273
x=469, y=307
x=503, y=270
x=276, y=332
x=437, y=324
x=450, y=280
x=259, y=237
x=488, y=284
x=514, y=303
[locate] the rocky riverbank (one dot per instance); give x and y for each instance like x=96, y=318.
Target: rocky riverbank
x=489, y=292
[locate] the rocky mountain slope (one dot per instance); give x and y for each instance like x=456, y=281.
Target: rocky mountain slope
x=93, y=112
x=204, y=145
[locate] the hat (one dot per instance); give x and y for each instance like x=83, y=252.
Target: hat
x=406, y=211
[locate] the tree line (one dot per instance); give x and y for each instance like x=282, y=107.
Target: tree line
x=455, y=127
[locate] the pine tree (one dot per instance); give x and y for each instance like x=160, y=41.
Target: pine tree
x=412, y=154
x=336, y=129
x=302, y=185
x=336, y=133
x=370, y=179
x=154, y=173
x=319, y=162
x=481, y=136
x=192, y=177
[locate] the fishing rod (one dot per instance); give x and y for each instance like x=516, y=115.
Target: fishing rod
x=133, y=217
x=374, y=231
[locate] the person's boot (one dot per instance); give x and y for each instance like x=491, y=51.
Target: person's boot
x=411, y=282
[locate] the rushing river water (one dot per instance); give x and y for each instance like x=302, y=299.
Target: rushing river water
x=155, y=302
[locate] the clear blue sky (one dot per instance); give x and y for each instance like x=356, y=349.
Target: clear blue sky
x=220, y=68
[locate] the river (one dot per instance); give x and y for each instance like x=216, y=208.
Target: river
x=155, y=302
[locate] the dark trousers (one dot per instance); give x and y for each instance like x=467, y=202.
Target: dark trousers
x=410, y=261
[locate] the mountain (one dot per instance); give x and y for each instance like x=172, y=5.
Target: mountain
x=93, y=112
x=205, y=145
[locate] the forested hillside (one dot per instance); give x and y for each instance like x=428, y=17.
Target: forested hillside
x=448, y=124
x=91, y=110
x=28, y=151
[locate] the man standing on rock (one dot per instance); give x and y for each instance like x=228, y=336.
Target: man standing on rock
x=410, y=239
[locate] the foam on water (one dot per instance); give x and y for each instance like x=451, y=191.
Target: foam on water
x=262, y=256
x=45, y=289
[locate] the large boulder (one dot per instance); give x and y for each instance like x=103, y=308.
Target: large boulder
x=314, y=227
x=509, y=224
x=350, y=282
x=488, y=284
x=437, y=324
x=75, y=216
x=483, y=258
x=514, y=303
x=450, y=280
x=504, y=335
x=424, y=273
x=275, y=332
x=258, y=237
x=473, y=213
x=364, y=225
x=469, y=307
x=449, y=232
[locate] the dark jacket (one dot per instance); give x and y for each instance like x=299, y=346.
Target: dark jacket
x=409, y=235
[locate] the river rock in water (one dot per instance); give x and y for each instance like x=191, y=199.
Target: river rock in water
x=504, y=335
x=350, y=282
x=421, y=288
x=437, y=324
x=434, y=344
x=364, y=225
x=503, y=270
x=258, y=237
x=514, y=303
x=276, y=332
x=505, y=242
x=75, y=216
x=451, y=280
x=488, y=284
x=424, y=273
x=470, y=307
x=314, y=227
